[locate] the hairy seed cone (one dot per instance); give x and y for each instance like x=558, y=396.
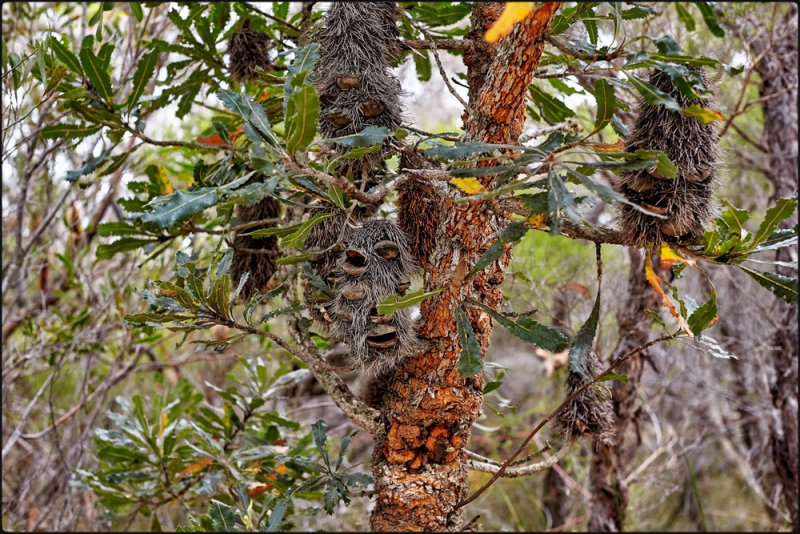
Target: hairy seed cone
x=247, y=49
x=686, y=201
x=261, y=266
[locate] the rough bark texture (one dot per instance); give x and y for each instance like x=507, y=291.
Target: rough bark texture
x=419, y=467
x=778, y=70
x=612, y=464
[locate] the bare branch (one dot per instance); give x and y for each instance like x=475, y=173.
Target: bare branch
x=441, y=44
x=521, y=471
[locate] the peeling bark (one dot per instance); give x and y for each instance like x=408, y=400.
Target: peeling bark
x=418, y=463
x=778, y=70
x=611, y=464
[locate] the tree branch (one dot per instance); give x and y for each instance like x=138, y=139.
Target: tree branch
x=521, y=471
x=441, y=44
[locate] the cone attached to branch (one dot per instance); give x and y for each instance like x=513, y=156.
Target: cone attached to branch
x=686, y=200
x=375, y=264
x=255, y=255
x=353, y=77
x=248, y=49
x=587, y=415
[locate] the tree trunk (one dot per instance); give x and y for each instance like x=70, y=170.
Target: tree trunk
x=612, y=464
x=778, y=70
x=418, y=464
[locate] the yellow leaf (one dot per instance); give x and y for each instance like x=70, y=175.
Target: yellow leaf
x=513, y=13
x=669, y=256
x=164, y=423
x=282, y=469
x=470, y=186
x=655, y=281
x=196, y=467
x=537, y=221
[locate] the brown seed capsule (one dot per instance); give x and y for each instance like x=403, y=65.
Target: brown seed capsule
x=386, y=249
x=339, y=120
x=375, y=318
x=403, y=285
x=327, y=99
x=640, y=184
x=653, y=209
x=372, y=108
x=697, y=178
x=354, y=293
x=382, y=337
x=355, y=262
x=654, y=172
x=675, y=228
x=349, y=82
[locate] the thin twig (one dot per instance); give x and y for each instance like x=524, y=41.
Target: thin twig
x=559, y=43
x=276, y=19
x=441, y=44
x=520, y=471
x=558, y=410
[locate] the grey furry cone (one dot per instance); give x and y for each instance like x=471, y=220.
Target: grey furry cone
x=247, y=49
x=353, y=79
x=376, y=264
x=685, y=200
x=587, y=415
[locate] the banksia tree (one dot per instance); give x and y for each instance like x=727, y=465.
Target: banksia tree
x=685, y=201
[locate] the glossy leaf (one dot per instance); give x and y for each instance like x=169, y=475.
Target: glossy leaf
x=394, y=302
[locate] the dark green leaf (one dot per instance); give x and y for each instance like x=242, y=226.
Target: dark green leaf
x=782, y=286
x=782, y=210
x=529, y=330
x=553, y=109
x=88, y=167
x=68, y=131
x=106, y=251
x=491, y=386
x=276, y=516
x=580, y=352
x=368, y=137
x=652, y=94
x=779, y=239
x=144, y=71
x=394, y=302
x=65, y=56
x=282, y=311
x=513, y=233
x=298, y=237
x=318, y=430
x=136, y=9
x=685, y=16
x=606, y=104
x=470, y=362
x=93, y=66
x=302, y=113
x=703, y=315
x=423, y=65
x=710, y=18
x=614, y=376
x=116, y=229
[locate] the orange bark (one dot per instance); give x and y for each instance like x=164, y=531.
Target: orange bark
x=419, y=467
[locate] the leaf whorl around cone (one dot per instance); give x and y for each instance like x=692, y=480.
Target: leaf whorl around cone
x=587, y=415
x=247, y=49
x=353, y=79
x=375, y=264
x=692, y=147
x=260, y=266
x=419, y=204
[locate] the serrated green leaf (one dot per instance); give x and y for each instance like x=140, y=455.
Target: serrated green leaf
x=735, y=219
x=652, y=94
x=710, y=18
x=684, y=16
x=470, y=363
x=782, y=286
x=276, y=516
x=319, y=431
x=282, y=311
x=710, y=346
x=580, y=352
x=782, y=210
x=66, y=56
x=93, y=66
x=394, y=302
x=68, y=131
x=614, y=376
x=559, y=198
x=89, y=166
x=302, y=113
x=106, y=251
x=702, y=317
x=298, y=237
x=513, y=233
x=553, y=109
x=529, y=330
x=144, y=72
x=606, y=104
x=779, y=239
x=116, y=229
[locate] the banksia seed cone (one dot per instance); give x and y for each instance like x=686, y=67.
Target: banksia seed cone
x=353, y=79
x=587, y=415
x=419, y=205
x=685, y=200
x=375, y=265
x=375, y=387
x=247, y=49
x=260, y=265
